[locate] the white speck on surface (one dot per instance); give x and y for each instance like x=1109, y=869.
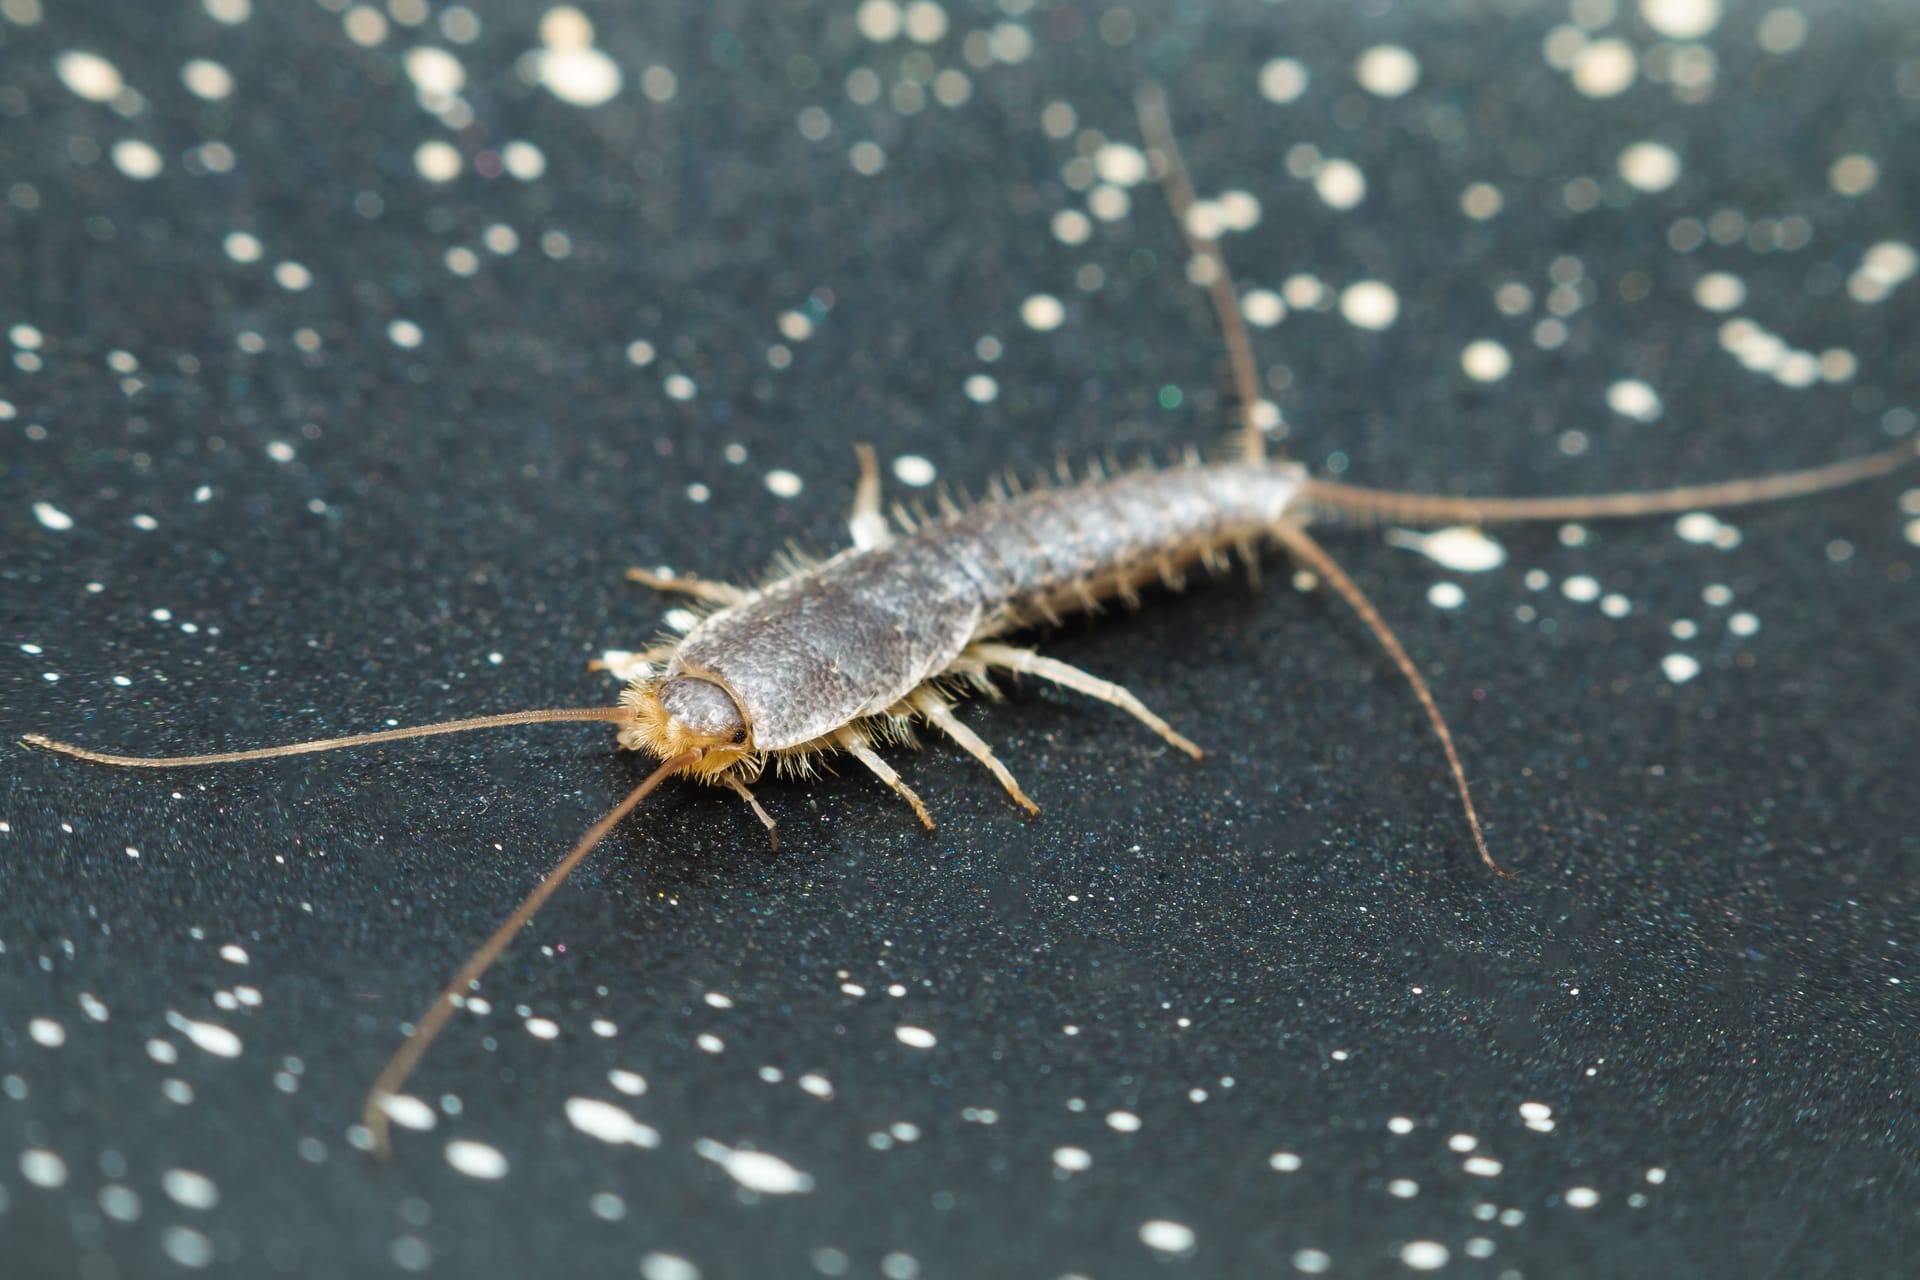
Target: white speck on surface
x=1446, y=595
x=1072, y=1159
x=1284, y=1162
x=817, y=1085
x=1580, y=588
x=1123, y=1122
x=47, y=1033
x=1698, y=527
x=667, y=1266
x=878, y=20
x=784, y=484
x=1312, y=1262
x=1461, y=548
x=1263, y=307
x=476, y=1159
x=89, y=75
x=187, y=1247
x=707, y=1042
x=233, y=954
x=52, y=517
x=1719, y=291
x=1400, y=1124
x=280, y=451
x=1582, y=1197
x=1120, y=164
x=408, y=1111
x=631, y=1083
x=679, y=386
x=190, y=1190
x=1370, y=304
x=1743, y=624
x=1883, y=268
x=756, y=1170
x=524, y=160
x=137, y=159
x=1387, y=70
x=1854, y=175
x=243, y=246
x=1283, y=80
x=1165, y=1236
x=1482, y=1166
x=579, y=75
x=1340, y=184
x=438, y=161
x=435, y=71
x=43, y=1168
x=229, y=13
x=1680, y=667
x=1486, y=360
x=1424, y=1255
x=122, y=1204
x=912, y=469
x=1605, y=68
x=610, y=1123
x=209, y=1036
x=1681, y=19
x=1632, y=398
x=915, y=1037
x=981, y=388
x=1461, y=1143
x=1650, y=166
x=543, y=1028
x=405, y=334
x=1042, y=312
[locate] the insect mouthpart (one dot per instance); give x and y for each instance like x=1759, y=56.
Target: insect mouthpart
x=684, y=712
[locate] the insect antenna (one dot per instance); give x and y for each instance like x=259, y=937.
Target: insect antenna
x=549, y=716
x=1420, y=508
x=1157, y=129
x=408, y=1055
x=1304, y=548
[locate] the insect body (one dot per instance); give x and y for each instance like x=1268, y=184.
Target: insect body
x=839, y=655
x=850, y=649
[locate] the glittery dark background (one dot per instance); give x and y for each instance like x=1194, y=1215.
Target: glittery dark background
x=1705, y=968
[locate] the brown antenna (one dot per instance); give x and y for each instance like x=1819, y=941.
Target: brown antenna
x=1157, y=129
x=332, y=744
x=1421, y=508
x=404, y=1059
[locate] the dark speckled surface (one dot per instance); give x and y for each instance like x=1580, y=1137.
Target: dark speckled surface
x=1151, y=1002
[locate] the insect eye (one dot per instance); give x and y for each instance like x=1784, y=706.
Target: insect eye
x=739, y=737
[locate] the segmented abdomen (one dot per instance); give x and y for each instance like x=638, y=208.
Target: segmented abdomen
x=853, y=636
x=1045, y=553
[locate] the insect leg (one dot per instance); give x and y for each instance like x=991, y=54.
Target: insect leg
x=1028, y=662
x=653, y=653
x=940, y=714
x=1305, y=549
x=687, y=584
x=856, y=746
x=740, y=789
x=865, y=522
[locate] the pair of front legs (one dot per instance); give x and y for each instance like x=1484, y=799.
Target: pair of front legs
x=869, y=529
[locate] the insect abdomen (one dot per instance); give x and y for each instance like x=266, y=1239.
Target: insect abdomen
x=1050, y=552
